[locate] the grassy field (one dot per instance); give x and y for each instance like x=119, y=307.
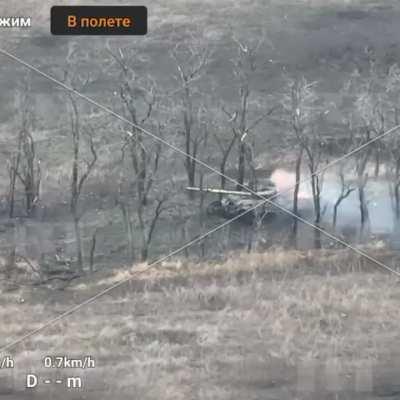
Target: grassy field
x=279, y=324
x=276, y=325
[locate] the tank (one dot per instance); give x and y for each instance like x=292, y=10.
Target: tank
x=233, y=203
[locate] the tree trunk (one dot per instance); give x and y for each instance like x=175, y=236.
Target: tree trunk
x=316, y=193
x=29, y=201
x=335, y=213
x=397, y=201
x=202, y=218
x=363, y=206
x=143, y=175
x=11, y=195
x=377, y=161
x=138, y=157
x=129, y=231
x=144, y=253
x=191, y=174
x=222, y=167
x=184, y=236
x=222, y=179
x=79, y=252
x=253, y=184
x=188, y=125
x=142, y=227
x=317, y=221
x=296, y=198
x=397, y=190
x=241, y=166
x=92, y=251
x=364, y=214
x=345, y=193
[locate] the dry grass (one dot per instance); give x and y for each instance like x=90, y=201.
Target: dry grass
x=275, y=260
x=193, y=330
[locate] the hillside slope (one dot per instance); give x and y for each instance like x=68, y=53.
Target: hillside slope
x=272, y=325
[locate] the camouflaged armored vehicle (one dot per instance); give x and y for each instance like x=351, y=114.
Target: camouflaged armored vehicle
x=233, y=203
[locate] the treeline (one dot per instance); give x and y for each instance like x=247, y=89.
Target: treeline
x=228, y=134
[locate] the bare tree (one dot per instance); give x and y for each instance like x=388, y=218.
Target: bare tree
x=362, y=180
x=24, y=164
x=139, y=97
x=140, y=200
x=79, y=177
x=244, y=68
x=345, y=190
x=296, y=191
x=378, y=103
x=12, y=168
x=225, y=147
x=392, y=90
x=376, y=96
x=92, y=251
x=370, y=108
x=147, y=227
x=299, y=102
x=137, y=213
x=315, y=153
x=122, y=200
x=393, y=175
x=191, y=59
x=29, y=172
x=254, y=235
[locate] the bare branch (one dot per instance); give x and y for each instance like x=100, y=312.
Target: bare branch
x=92, y=163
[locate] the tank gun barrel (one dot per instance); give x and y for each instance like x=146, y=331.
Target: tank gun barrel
x=266, y=193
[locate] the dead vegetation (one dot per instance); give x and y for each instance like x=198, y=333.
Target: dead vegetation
x=219, y=329
x=247, y=326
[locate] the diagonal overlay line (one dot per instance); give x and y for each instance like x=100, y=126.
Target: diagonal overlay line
x=203, y=236
x=120, y=283
x=177, y=149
